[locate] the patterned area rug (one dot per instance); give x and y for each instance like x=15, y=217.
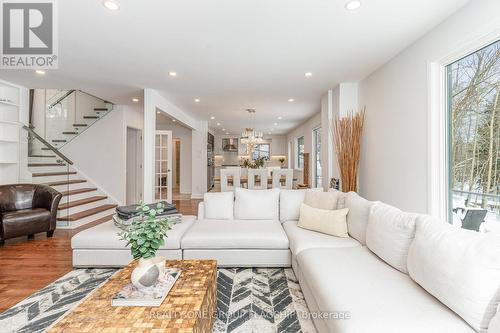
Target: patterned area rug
x=264, y=300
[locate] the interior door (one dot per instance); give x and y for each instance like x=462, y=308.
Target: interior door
x=163, y=166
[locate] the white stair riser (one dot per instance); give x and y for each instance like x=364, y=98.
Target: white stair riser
x=75, y=197
x=81, y=208
x=88, y=219
x=49, y=179
x=62, y=188
x=49, y=169
x=42, y=159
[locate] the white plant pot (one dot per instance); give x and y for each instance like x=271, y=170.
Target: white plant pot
x=145, y=274
x=159, y=261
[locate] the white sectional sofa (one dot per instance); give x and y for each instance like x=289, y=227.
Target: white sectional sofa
x=396, y=272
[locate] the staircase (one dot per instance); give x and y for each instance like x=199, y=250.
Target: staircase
x=82, y=202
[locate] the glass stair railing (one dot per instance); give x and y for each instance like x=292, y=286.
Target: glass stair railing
x=66, y=114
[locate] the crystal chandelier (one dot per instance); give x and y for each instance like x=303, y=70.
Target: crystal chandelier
x=250, y=136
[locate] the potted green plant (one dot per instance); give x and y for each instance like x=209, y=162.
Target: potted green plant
x=145, y=236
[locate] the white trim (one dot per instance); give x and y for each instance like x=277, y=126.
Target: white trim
x=437, y=120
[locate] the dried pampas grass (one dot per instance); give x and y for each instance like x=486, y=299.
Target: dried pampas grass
x=347, y=137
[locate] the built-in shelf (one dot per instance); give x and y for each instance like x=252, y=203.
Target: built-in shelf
x=9, y=103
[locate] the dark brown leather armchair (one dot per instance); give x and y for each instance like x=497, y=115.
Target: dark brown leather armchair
x=26, y=209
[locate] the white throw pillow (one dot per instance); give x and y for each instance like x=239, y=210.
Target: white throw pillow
x=219, y=205
x=459, y=267
x=290, y=201
x=256, y=204
x=331, y=222
x=321, y=200
x=389, y=234
x=357, y=219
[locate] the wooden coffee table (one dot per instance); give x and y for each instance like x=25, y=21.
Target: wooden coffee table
x=189, y=307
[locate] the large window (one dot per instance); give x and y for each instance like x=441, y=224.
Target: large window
x=317, y=157
x=474, y=137
x=299, y=157
x=261, y=150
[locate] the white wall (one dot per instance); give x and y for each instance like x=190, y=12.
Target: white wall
x=154, y=102
x=184, y=135
x=394, y=159
x=304, y=130
x=100, y=152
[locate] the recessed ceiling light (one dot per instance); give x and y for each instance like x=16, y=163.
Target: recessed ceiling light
x=197, y=100
x=158, y=112
x=275, y=124
x=308, y=74
x=218, y=124
x=212, y=117
x=280, y=117
x=111, y=4
x=40, y=72
x=172, y=73
x=291, y=100
x=223, y=129
x=353, y=5
x=174, y=120
x=135, y=100
x=270, y=133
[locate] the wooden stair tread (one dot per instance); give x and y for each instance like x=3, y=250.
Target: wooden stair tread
x=41, y=155
x=70, y=133
x=45, y=164
x=44, y=174
x=90, y=117
x=81, y=202
x=79, y=125
x=66, y=182
x=100, y=109
x=86, y=213
x=78, y=191
x=59, y=140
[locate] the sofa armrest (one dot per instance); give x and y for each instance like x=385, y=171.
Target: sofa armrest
x=494, y=325
x=201, y=210
x=48, y=198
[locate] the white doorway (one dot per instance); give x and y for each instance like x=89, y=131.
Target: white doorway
x=133, y=194
x=163, y=166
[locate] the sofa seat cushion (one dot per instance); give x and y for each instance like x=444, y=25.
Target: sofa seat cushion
x=303, y=239
x=24, y=222
x=378, y=297
x=235, y=234
x=105, y=236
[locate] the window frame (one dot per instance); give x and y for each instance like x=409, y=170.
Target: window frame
x=255, y=149
x=316, y=133
x=437, y=121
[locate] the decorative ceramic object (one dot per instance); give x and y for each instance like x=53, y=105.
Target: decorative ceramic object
x=159, y=261
x=145, y=274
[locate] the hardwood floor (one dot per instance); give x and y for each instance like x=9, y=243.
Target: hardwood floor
x=27, y=266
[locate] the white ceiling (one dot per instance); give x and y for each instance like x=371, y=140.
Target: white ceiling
x=231, y=54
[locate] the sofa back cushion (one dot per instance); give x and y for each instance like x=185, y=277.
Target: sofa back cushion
x=389, y=234
x=459, y=267
x=218, y=206
x=357, y=218
x=256, y=204
x=322, y=200
x=290, y=201
x=326, y=221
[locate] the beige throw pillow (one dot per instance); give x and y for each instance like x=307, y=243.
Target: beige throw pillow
x=321, y=200
x=331, y=222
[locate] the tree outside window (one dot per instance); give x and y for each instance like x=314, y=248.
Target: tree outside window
x=474, y=137
x=300, y=153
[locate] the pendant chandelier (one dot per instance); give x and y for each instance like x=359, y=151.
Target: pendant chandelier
x=250, y=136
